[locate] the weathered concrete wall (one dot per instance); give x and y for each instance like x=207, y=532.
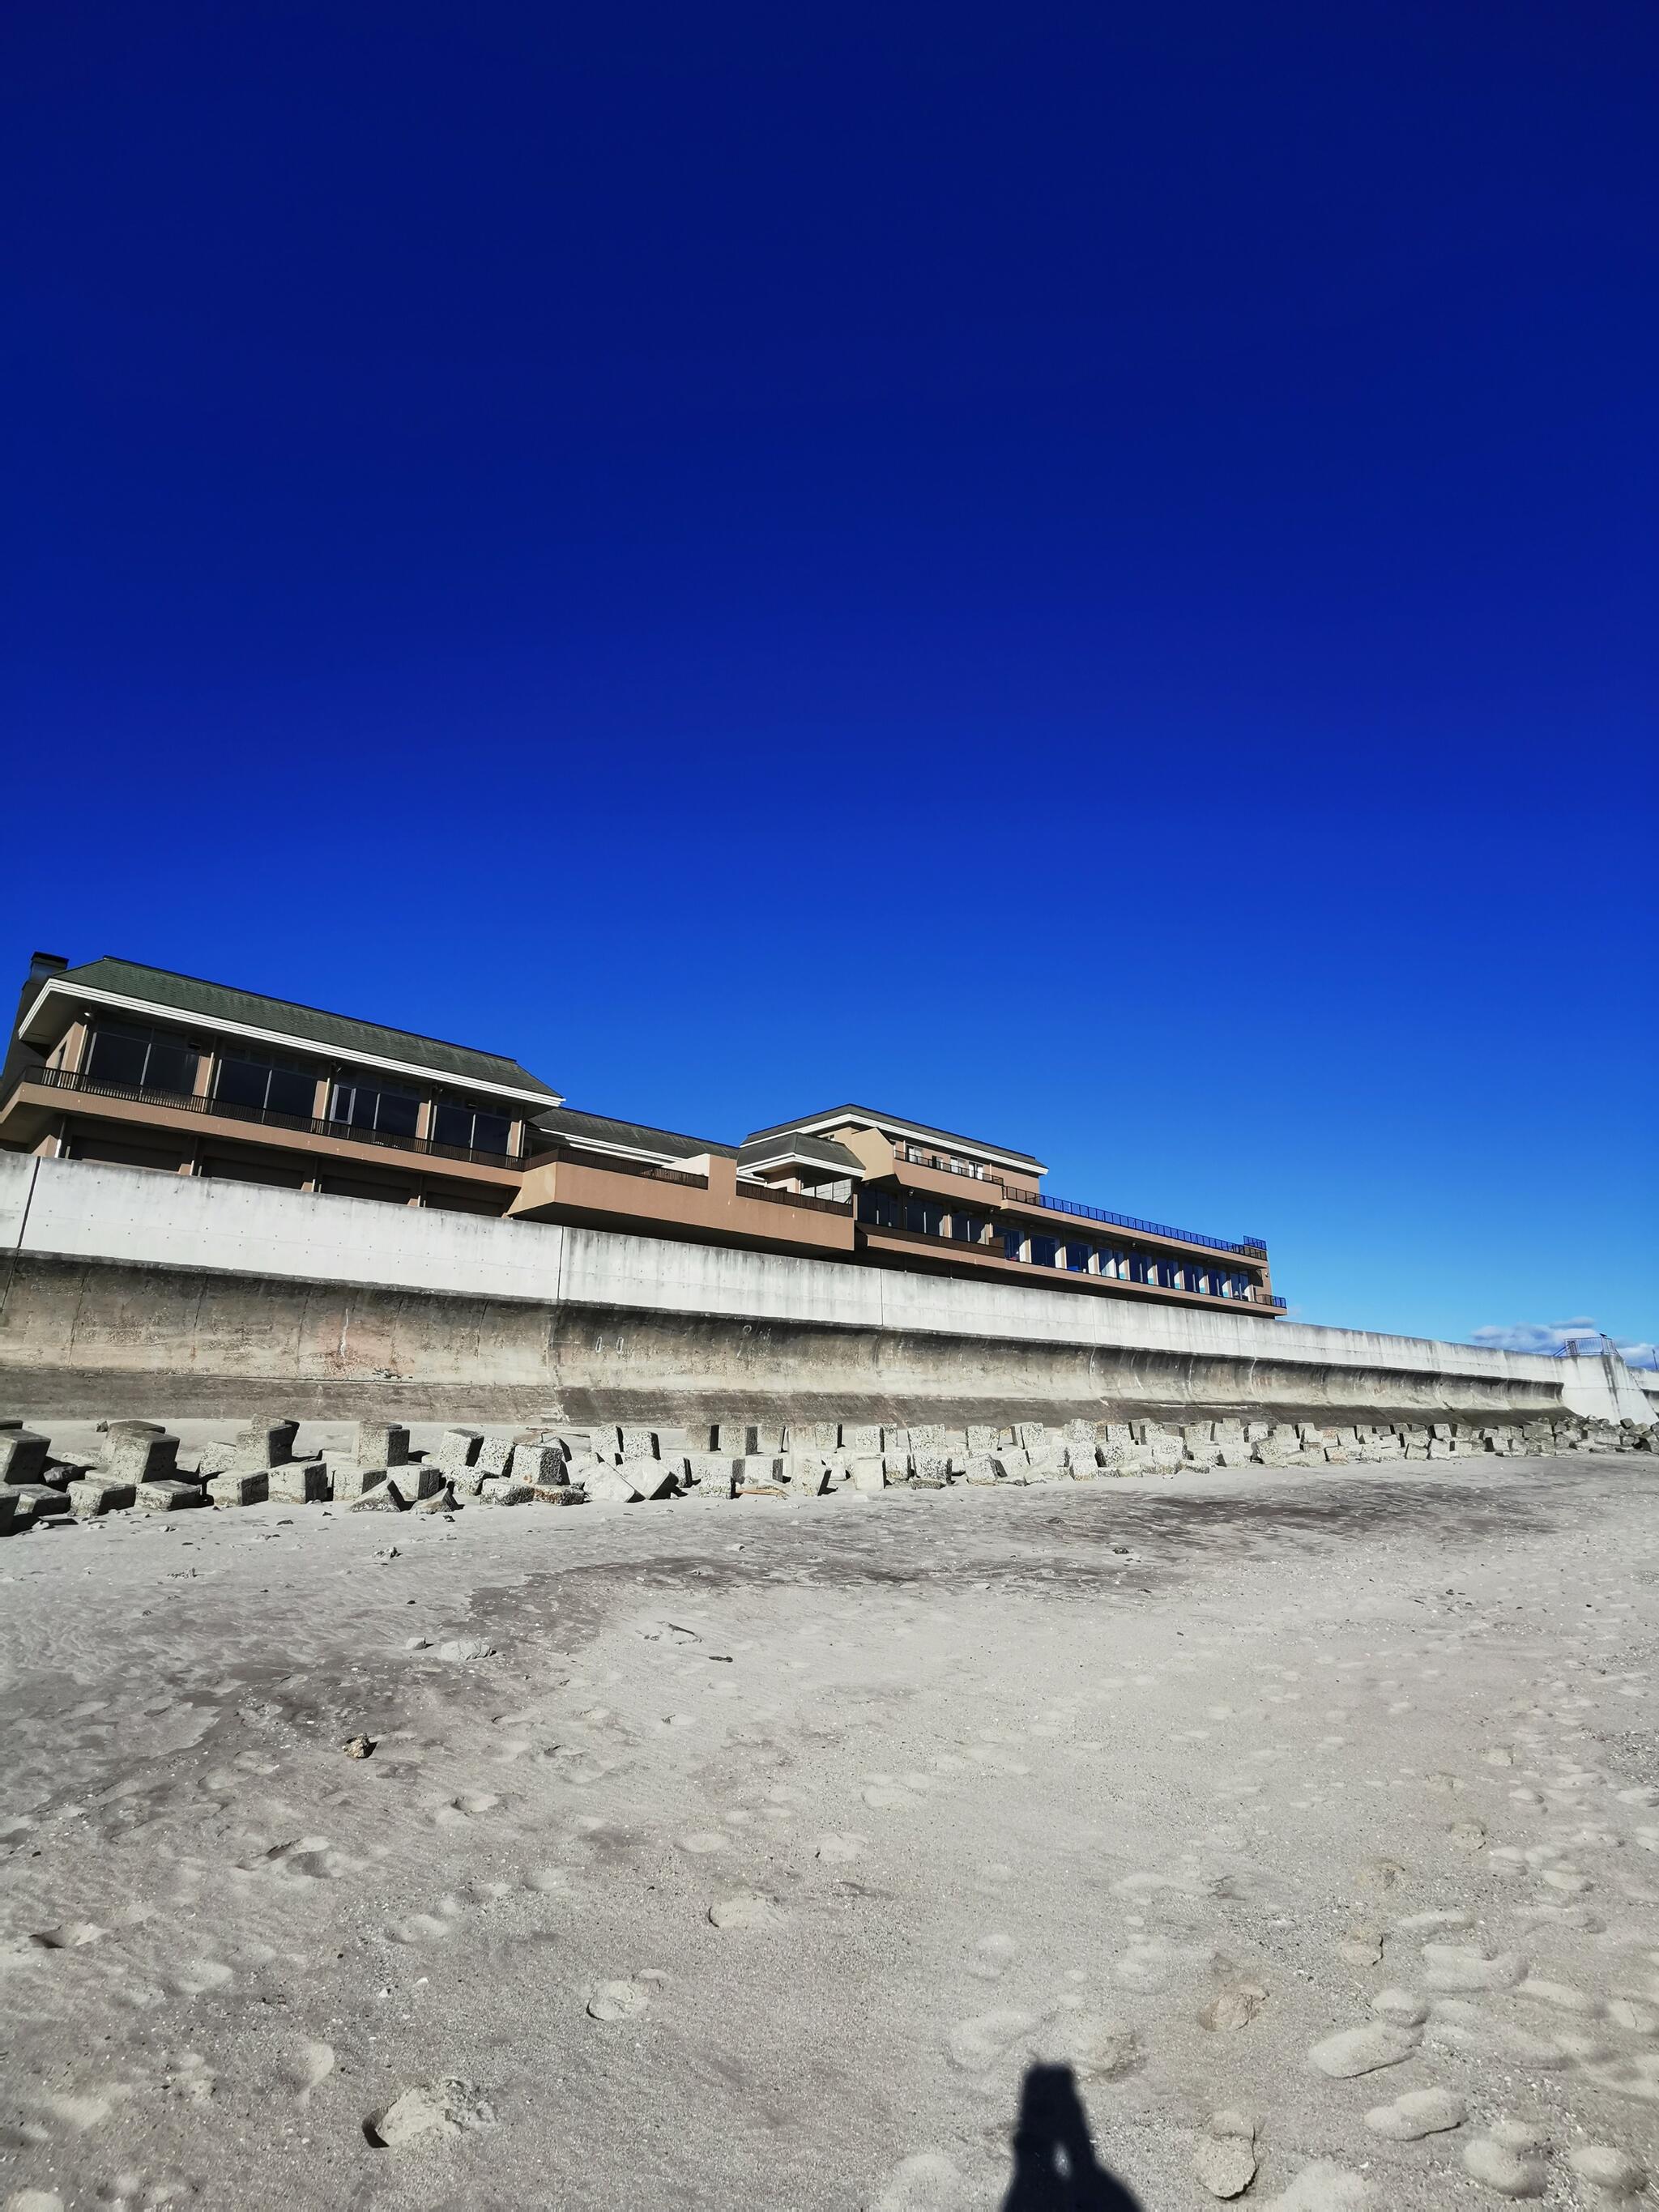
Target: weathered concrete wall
x=121, y=1290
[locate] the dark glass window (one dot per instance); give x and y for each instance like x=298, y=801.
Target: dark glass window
x=967, y=1228
x=878, y=1207
x=139, y=1060
x=1077, y=1259
x=363, y=1106
x=1045, y=1251
x=1139, y=1268
x=923, y=1218
x=1013, y=1243
x=455, y=1124
x=256, y=1083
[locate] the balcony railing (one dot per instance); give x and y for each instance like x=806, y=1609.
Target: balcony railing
x=771, y=1197
x=61, y=1078
x=577, y=1156
x=944, y=1165
x=1254, y=1297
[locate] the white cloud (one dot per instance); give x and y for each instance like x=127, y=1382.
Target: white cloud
x=1552, y=1336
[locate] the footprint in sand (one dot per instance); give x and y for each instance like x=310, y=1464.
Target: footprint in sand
x=418, y=1928
x=1509, y=2160
x=200, y=1975
x=1419, y=2113
x=1356, y=2050
x=977, y=2044
x=842, y=1850
x=1324, y=2186
x=615, y=2000
x=927, y=2183
x=703, y=1841
x=993, y=1956
x=316, y=2064
x=72, y=1935
x=748, y=1909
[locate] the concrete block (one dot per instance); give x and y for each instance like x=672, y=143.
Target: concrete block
x=456, y=1450
x=819, y=1438
x=735, y=1438
x=167, y=1495
x=1010, y=1462
x=980, y=1438
x=502, y=1490
x=809, y=1475
x=636, y=1444
x=930, y=1465
x=91, y=1497
x=383, y=1499
x=34, y=1501
x=760, y=1467
x=927, y=1437
x=250, y=1489
x=651, y=1478
x=7, y=1511
x=557, y=1493
x=609, y=1486
x=714, y=1473
x=494, y=1456
x=1029, y=1433
x=859, y=1440
x=299, y=1482
x=349, y=1481
x=979, y=1468
x=895, y=1443
x=671, y=1443
x=22, y=1456
x=418, y=1480
x=542, y=1464
x=137, y=1451
x=267, y=1441
x=381, y=1443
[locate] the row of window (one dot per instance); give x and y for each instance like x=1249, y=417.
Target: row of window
x=141, y=1060
x=886, y=1209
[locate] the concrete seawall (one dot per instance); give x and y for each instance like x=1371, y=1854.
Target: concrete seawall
x=122, y=1292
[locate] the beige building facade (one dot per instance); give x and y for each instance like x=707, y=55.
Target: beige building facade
x=115, y=1062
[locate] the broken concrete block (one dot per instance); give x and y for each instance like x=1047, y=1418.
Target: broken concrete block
x=7, y=1511
x=503, y=1490
x=36, y=1501
x=456, y=1450
x=557, y=1493
x=381, y=1443
x=980, y=1469
x=651, y=1478
x=22, y=1456
x=868, y=1474
x=808, y=1474
x=382, y=1498
x=419, y=1479
x=93, y=1496
x=167, y=1495
x=250, y=1489
x=301, y=1482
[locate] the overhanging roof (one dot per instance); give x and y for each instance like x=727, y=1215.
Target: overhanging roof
x=222, y=1005
x=791, y=1145
x=626, y=1136
x=835, y=1116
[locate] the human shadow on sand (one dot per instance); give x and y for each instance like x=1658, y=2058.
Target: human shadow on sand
x=1055, y=2169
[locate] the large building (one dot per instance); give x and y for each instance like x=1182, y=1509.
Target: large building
x=137, y=1066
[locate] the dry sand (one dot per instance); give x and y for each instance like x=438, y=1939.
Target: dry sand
x=762, y=1850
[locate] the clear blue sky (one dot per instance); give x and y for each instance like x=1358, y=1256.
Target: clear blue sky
x=1087, y=575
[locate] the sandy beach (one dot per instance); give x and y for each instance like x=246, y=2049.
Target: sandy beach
x=1295, y=1835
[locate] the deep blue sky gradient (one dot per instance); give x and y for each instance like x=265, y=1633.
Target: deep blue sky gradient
x=1084, y=575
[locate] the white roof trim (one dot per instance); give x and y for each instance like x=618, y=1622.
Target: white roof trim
x=927, y=1137
x=67, y=988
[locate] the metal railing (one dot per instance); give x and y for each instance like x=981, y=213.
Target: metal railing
x=61, y=1078
x=771, y=1197
x=1256, y=1296
x=944, y=1165
x=576, y=1156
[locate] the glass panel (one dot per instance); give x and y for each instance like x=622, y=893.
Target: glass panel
x=1045, y=1251
x=293, y=1091
x=116, y=1057
x=966, y=1229
x=242, y=1082
x=398, y=1114
x=452, y=1124
x=491, y=1132
x=1013, y=1244
x=1077, y=1259
x=171, y=1067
